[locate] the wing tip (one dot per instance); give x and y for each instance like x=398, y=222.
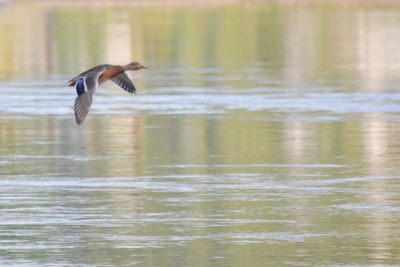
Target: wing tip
x=79, y=122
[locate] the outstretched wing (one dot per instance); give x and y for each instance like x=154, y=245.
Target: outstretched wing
x=124, y=82
x=85, y=95
x=82, y=106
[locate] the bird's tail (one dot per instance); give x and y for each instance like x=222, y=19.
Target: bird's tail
x=71, y=82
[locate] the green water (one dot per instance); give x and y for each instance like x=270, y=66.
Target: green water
x=260, y=135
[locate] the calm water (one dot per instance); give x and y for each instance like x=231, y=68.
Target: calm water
x=261, y=135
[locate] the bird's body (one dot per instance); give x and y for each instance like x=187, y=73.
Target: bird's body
x=87, y=82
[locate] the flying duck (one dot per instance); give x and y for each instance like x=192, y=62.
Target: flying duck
x=87, y=82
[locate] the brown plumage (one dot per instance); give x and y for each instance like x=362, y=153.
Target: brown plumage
x=87, y=82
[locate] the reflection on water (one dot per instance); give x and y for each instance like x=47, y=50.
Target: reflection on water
x=260, y=135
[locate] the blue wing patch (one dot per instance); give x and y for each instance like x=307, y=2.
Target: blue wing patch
x=80, y=86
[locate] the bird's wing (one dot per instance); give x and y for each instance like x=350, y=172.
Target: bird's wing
x=82, y=106
x=124, y=82
x=86, y=73
x=84, y=100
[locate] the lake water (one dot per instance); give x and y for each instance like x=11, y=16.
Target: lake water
x=260, y=135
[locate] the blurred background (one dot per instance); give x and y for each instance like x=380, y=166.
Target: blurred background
x=264, y=133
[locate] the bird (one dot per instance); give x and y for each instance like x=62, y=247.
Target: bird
x=87, y=82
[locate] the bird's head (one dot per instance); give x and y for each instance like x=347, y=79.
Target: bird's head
x=135, y=65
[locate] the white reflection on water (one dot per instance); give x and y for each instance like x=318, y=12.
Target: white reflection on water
x=45, y=99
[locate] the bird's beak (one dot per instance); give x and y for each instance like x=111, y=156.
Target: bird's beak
x=143, y=67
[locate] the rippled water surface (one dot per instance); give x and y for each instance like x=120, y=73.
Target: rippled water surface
x=261, y=135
